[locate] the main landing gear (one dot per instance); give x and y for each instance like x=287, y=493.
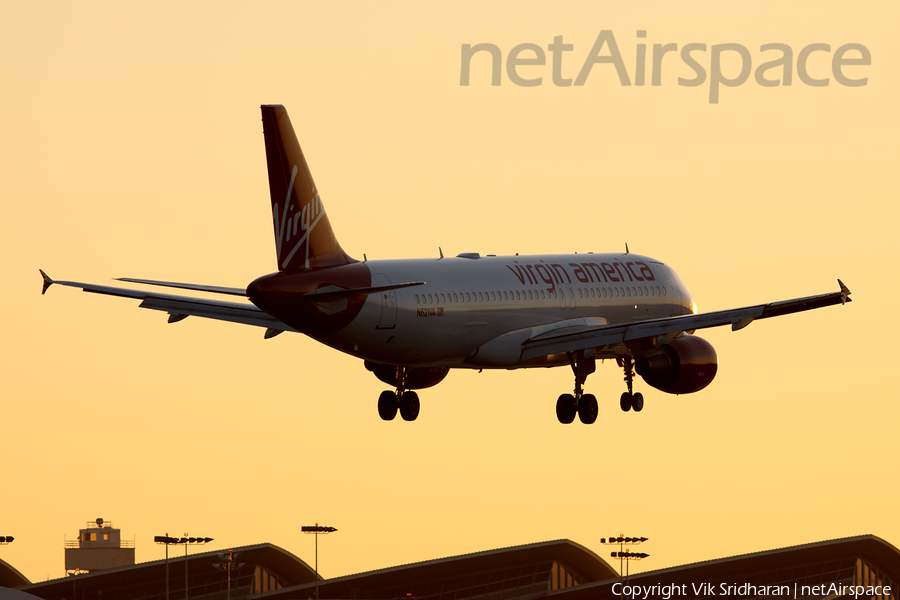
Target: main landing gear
x=585, y=405
x=406, y=401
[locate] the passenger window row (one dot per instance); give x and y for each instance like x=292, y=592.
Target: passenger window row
x=520, y=295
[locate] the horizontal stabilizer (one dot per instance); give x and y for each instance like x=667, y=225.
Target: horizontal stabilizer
x=215, y=289
x=332, y=293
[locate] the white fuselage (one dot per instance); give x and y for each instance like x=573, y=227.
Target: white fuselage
x=476, y=312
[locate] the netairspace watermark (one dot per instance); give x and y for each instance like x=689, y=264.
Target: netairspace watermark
x=673, y=590
x=778, y=71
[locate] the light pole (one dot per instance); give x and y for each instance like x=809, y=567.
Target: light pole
x=165, y=539
x=622, y=556
x=317, y=529
x=171, y=541
x=228, y=564
x=187, y=541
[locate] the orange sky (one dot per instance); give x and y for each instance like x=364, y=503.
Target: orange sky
x=132, y=146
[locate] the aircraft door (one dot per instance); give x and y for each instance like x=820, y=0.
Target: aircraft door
x=388, y=303
x=566, y=296
x=673, y=292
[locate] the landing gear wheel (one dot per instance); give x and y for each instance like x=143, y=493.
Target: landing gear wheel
x=409, y=406
x=565, y=408
x=387, y=405
x=637, y=402
x=625, y=401
x=587, y=409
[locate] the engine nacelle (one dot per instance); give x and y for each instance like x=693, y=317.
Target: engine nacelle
x=684, y=365
x=416, y=377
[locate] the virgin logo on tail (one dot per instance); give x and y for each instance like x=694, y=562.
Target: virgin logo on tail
x=305, y=220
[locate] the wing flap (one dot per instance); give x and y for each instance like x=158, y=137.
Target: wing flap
x=220, y=311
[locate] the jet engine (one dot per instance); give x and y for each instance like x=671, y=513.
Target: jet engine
x=684, y=365
x=416, y=377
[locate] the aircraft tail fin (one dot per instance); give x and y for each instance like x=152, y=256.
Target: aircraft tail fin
x=303, y=235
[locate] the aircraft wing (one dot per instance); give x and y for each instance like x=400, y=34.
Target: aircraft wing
x=667, y=328
x=180, y=307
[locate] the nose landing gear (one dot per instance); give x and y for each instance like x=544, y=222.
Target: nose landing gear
x=630, y=400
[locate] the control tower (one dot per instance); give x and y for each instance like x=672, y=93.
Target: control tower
x=99, y=546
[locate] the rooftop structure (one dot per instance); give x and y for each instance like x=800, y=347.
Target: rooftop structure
x=99, y=546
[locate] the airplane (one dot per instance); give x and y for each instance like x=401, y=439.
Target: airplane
x=412, y=320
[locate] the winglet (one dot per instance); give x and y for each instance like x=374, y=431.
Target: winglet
x=47, y=281
x=845, y=292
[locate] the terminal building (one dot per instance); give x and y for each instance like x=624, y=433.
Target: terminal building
x=555, y=570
